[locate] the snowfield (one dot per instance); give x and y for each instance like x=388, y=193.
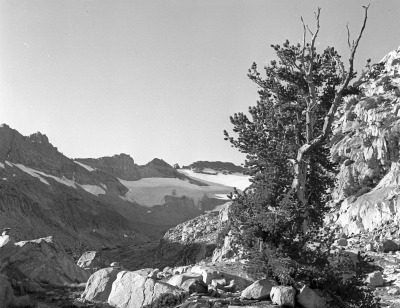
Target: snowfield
x=93, y=189
x=237, y=180
x=151, y=191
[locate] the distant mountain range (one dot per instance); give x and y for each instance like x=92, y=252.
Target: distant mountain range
x=94, y=202
x=216, y=166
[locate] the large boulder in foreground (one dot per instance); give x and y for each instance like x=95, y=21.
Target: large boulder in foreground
x=7, y=297
x=131, y=290
x=42, y=260
x=260, y=289
x=307, y=298
x=98, y=287
x=283, y=295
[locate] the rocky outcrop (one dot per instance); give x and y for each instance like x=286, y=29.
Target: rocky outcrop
x=123, y=167
x=225, y=167
x=131, y=290
x=365, y=143
x=41, y=260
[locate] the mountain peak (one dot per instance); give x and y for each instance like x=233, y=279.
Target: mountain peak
x=39, y=137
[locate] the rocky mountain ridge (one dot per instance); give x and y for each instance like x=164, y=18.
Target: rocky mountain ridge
x=215, y=166
x=84, y=202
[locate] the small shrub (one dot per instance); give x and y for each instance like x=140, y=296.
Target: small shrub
x=380, y=100
x=373, y=162
x=370, y=103
x=367, y=142
x=353, y=185
x=352, y=101
x=351, y=116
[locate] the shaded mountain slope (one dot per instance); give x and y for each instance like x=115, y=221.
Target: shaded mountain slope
x=84, y=202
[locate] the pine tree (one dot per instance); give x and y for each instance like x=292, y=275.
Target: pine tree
x=305, y=89
x=287, y=156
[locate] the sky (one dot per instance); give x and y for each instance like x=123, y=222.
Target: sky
x=158, y=78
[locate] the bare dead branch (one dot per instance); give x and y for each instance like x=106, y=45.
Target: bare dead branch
x=310, y=31
x=304, y=45
x=348, y=36
x=338, y=97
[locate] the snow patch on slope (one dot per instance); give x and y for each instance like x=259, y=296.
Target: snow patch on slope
x=238, y=180
x=88, y=168
x=93, y=189
x=32, y=172
x=151, y=191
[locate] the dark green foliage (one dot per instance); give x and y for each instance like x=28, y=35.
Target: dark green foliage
x=393, y=147
x=367, y=142
x=352, y=101
x=353, y=184
x=373, y=162
x=351, y=116
x=370, y=103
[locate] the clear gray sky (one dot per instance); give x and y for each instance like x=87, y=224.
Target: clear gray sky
x=157, y=78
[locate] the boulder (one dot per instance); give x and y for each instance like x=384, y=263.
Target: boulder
x=99, y=285
x=145, y=272
x=369, y=247
x=115, y=264
x=91, y=261
x=283, y=295
x=208, y=273
x=195, y=305
x=154, y=274
x=44, y=260
x=218, y=283
x=7, y=297
x=375, y=279
x=178, y=280
x=260, y=289
x=131, y=290
x=194, y=285
x=309, y=299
